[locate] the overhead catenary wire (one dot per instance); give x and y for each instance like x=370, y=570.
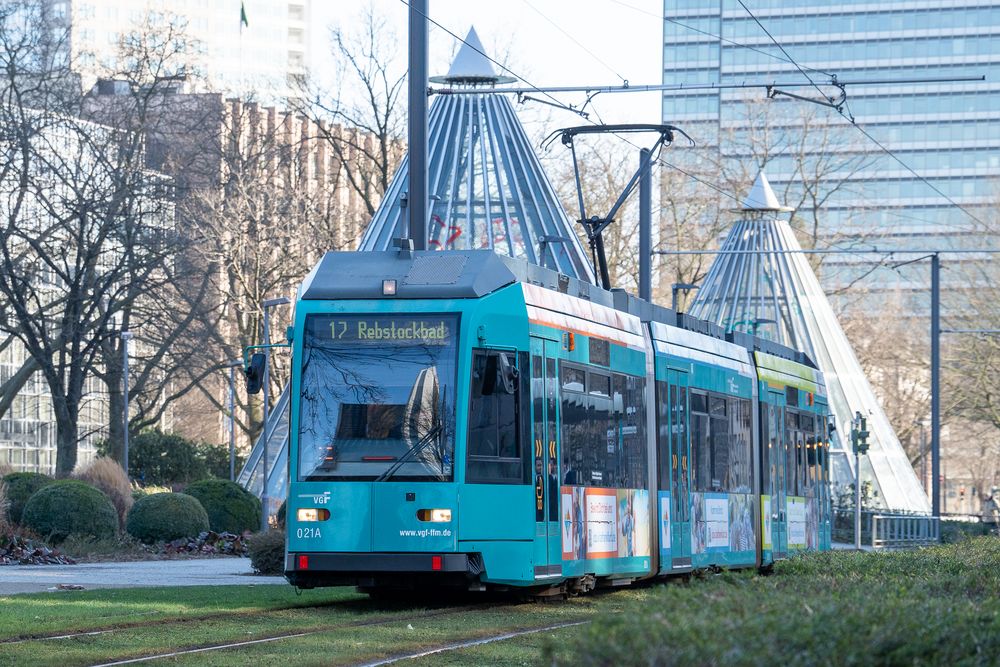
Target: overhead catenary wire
x=713, y=35
x=782, y=49
x=576, y=41
x=845, y=111
x=556, y=102
x=496, y=62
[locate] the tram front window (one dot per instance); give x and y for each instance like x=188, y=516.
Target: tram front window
x=377, y=397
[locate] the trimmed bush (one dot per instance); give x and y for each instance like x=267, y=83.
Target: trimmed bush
x=20, y=487
x=165, y=458
x=230, y=508
x=267, y=552
x=70, y=507
x=108, y=476
x=161, y=517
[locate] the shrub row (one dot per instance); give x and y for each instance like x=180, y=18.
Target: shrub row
x=56, y=509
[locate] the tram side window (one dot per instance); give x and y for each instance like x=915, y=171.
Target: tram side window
x=494, y=426
x=664, y=403
x=603, y=428
x=793, y=452
x=807, y=423
x=701, y=444
x=739, y=478
x=630, y=413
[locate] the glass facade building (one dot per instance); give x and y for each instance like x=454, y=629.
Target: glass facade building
x=949, y=132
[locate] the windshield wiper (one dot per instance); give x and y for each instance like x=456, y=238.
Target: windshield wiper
x=412, y=451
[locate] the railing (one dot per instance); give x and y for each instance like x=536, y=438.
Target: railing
x=897, y=531
x=886, y=529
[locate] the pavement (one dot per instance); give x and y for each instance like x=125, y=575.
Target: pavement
x=138, y=574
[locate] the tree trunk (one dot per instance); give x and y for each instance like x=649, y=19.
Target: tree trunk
x=116, y=405
x=67, y=439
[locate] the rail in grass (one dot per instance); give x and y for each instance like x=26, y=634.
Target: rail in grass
x=468, y=419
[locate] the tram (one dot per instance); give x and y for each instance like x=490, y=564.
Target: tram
x=468, y=419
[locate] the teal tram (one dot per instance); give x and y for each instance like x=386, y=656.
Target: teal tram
x=467, y=419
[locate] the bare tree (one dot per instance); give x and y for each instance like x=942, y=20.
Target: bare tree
x=363, y=120
x=86, y=227
x=274, y=211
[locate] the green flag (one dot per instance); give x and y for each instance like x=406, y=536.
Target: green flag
x=243, y=16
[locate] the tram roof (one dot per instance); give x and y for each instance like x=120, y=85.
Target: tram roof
x=472, y=274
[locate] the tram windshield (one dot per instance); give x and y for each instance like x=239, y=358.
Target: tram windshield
x=377, y=397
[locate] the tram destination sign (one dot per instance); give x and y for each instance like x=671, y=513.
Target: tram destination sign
x=384, y=330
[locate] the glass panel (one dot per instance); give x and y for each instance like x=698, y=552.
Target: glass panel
x=378, y=397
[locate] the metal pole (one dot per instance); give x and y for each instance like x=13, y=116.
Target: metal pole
x=126, y=337
x=417, y=124
x=264, y=500
x=267, y=362
x=936, y=385
x=857, y=500
x=645, y=228
x=232, y=423
x=923, y=456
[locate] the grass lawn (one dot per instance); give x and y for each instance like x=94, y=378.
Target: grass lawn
x=935, y=606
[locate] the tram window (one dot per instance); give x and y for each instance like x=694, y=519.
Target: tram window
x=494, y=439
x=720, y=439
x=701, y=443
x=664, y=402
x=600, y=352
x=603, y=431
x=629, y=404
x=739, y=477
x=717, y=406
x=573, y=379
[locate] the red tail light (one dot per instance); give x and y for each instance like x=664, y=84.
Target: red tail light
x=303, y=562
x=436, y=563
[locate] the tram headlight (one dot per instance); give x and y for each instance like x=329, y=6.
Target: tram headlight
x=435, y=515
x=312, y=514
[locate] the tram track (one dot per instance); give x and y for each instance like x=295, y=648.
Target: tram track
x=361, y=623
x=223, y=615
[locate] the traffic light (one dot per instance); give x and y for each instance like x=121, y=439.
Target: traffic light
x=859, y=436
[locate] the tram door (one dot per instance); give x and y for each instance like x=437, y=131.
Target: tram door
x=545, y=469
x=680, y=473
x=778, y=460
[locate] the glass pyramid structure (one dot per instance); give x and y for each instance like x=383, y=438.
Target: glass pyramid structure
x=486, y=187
x=757, y=286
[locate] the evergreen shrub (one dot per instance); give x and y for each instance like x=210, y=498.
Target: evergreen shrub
x=70, y=507
x=230, y=508
x=162, y=517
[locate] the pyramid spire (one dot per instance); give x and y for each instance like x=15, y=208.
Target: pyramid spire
x=471, y=66
x=760, y=283
x=486, y=186
x=761, y=197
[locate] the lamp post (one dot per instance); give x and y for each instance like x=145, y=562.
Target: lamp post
x=264, y=500
x=673, y=293
x=232, y=417
x=126, y=336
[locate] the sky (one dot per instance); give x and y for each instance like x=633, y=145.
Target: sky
x=551, y=43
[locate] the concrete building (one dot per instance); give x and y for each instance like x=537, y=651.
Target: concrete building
x=268, y=53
